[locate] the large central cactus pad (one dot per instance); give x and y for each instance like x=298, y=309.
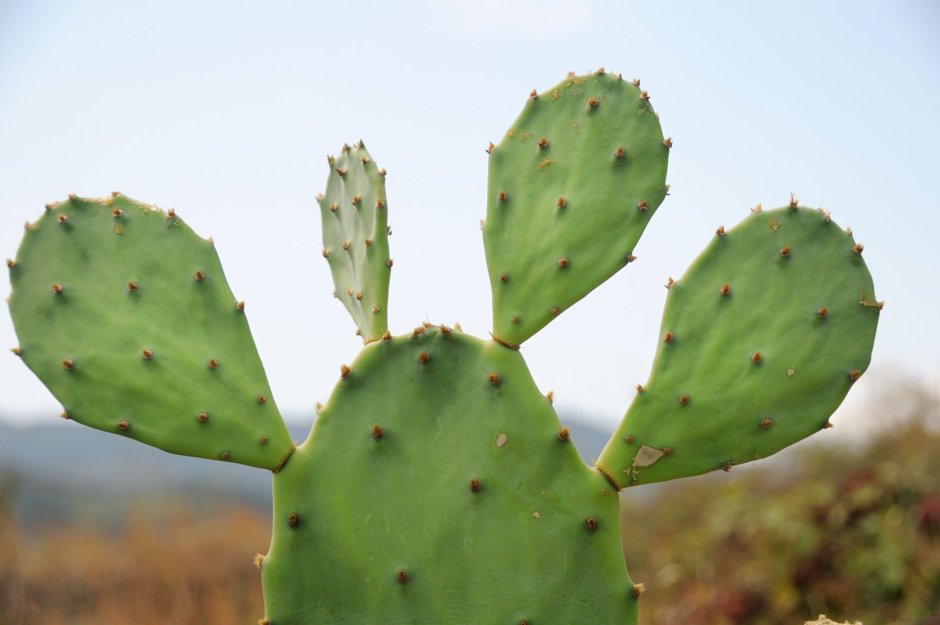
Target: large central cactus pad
x=438, y=487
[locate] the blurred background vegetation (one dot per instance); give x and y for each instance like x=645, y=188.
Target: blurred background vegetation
x=848, y=530
x=841, y=526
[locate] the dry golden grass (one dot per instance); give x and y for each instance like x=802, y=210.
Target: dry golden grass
x=189, y=570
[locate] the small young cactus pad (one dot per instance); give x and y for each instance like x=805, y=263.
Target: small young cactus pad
x=355, y=238
x=437, y=486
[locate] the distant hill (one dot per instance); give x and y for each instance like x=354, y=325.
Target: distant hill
x=65, y=472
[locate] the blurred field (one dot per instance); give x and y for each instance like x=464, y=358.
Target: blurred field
x=187, y=569
x=850, y=531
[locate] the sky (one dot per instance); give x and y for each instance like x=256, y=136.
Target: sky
x=225, y=112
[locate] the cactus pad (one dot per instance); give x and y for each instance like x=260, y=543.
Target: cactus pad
x=355, y=238
x=760, y=342
x=572, y=186
x=125, y=314
x=455, y=499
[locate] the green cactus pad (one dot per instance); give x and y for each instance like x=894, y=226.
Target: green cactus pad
x=572, y=186
x=125, y=314
x=437, y=487
x=355, y=238
x=761, y=340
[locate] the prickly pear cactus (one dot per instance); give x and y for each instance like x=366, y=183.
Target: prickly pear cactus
x=437, y=485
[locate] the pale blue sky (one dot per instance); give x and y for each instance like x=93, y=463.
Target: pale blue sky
x=225, y=111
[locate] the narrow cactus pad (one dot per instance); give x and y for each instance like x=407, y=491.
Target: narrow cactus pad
x=125, y=314
x=355, y=238
x=760, y=342
x=437, y=487
x=572, y=186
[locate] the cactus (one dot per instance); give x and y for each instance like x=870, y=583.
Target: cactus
x=437, y=484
